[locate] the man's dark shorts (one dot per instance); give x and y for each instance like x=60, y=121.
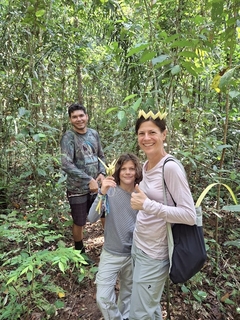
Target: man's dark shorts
x=80, y=206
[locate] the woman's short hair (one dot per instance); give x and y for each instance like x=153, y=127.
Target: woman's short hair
x=161, y=124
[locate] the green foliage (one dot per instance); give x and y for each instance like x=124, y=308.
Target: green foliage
x=117, y=57
x=235, y=243
x=233, y=208
x=222, y=282
x=28, y=272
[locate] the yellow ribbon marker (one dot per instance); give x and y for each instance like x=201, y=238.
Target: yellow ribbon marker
x=205, y=191
x=99, y=205
x=110, y=169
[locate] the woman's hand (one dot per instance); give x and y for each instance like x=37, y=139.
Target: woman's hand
x=137, y=198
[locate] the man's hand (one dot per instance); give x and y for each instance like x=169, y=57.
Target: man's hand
x=93, y=186
x=100, y=178
x=137, y=198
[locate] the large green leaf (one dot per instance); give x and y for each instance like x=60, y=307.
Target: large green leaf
x=233, y=94
x=188, y=54
x=139, y=47
x=121, y=115
x=233, y=208
x=129, y=97
x=111, y=109
x=175, y=70
x=225, y=79
x=183, y=43
x=147, y=56
x=160, y=59
x=40, y=13
x=217, y=9
x=189, y=67
x=136, y=105
x=235, y=243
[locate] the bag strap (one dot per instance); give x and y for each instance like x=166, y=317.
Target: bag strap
x=165, y=187
x=169, y=226
x=169, y=238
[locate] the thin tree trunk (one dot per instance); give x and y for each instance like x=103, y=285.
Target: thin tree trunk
x=80, y=86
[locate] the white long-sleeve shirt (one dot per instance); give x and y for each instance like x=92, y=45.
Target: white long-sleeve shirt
x=150, y=234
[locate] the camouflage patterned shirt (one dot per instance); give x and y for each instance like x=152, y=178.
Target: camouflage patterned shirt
x=80, y=154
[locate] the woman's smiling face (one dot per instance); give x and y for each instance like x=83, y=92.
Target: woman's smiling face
x=150, y=138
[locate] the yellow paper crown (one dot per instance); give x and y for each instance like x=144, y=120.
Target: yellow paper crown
x=150, y=114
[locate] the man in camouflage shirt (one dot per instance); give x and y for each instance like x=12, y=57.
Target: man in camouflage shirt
x=81, y=148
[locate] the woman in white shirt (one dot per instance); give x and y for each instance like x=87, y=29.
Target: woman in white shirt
x=150, y=247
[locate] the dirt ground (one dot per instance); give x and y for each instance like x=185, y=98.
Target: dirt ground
x=80, y=300
x=80, y=303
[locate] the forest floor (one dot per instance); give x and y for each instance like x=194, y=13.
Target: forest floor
x=210, y=295
x=80, y=302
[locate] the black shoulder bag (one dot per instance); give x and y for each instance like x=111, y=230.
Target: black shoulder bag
x=187, y=252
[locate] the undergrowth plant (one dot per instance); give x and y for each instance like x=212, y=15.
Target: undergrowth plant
x=31, y=256
x=222, y=286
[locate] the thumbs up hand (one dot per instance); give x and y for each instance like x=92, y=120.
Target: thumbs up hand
x=137, y=198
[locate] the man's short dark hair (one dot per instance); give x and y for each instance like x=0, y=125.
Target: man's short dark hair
x=76, y=106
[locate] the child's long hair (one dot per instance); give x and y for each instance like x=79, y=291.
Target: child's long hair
x=124, y=158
